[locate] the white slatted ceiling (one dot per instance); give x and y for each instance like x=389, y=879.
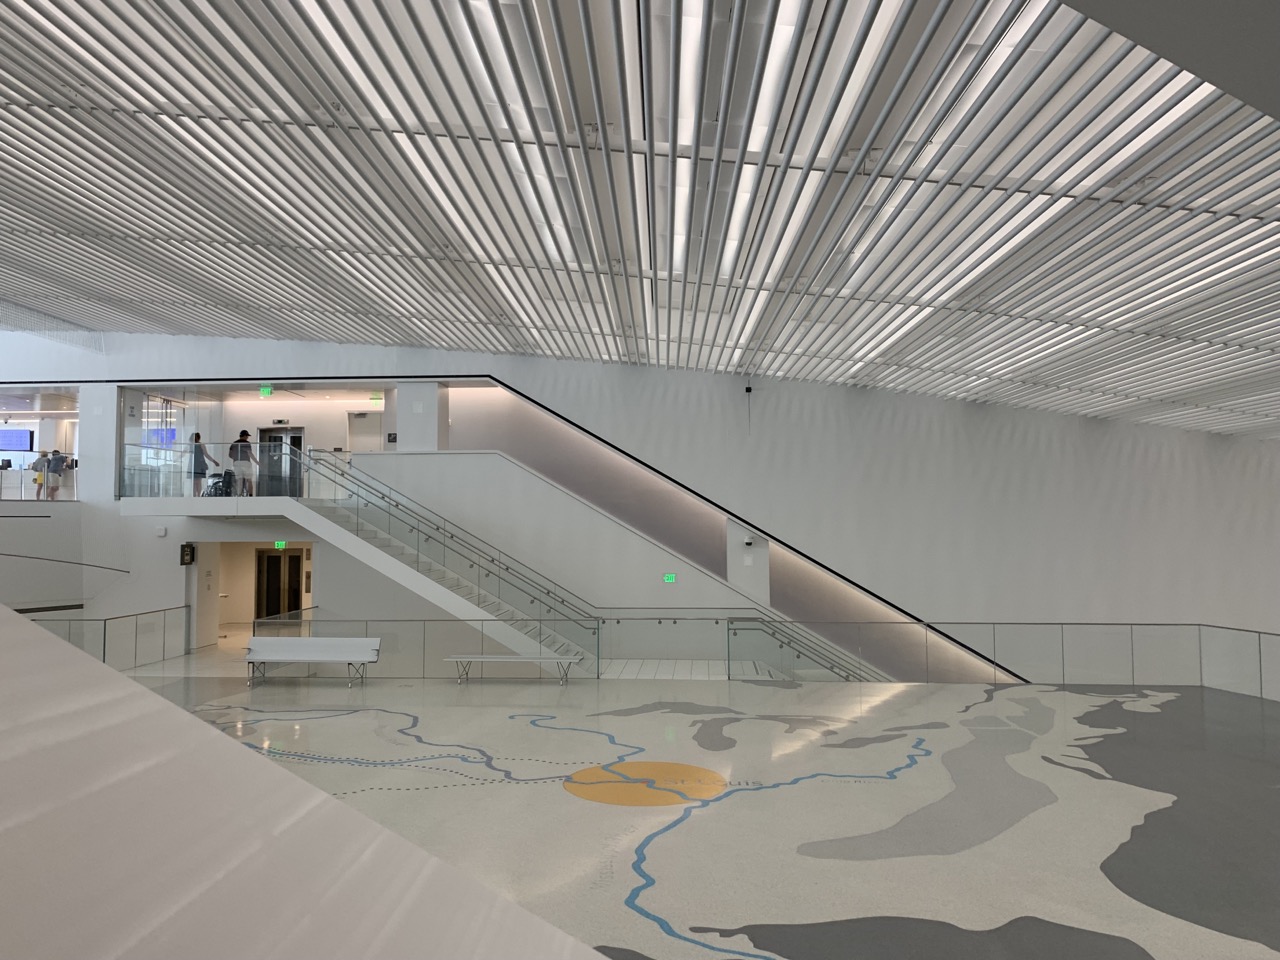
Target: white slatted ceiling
x=999, y=201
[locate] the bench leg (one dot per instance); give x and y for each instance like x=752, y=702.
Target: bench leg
x=464, y=669
x=257, y=671
x=355, y=671
x=564, y=672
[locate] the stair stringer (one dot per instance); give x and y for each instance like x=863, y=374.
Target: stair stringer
x=407, y=577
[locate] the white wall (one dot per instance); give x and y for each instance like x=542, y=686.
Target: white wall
x=345, y=588
x=955, y=511
x=41, y=554
x=324, y=423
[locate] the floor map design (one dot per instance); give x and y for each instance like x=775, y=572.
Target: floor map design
x=672, y=820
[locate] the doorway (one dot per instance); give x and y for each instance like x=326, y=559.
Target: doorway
x=279, y=584
x=280, y=462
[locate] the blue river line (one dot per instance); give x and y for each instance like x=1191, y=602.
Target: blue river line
x=480, y=756
x=641, y=852
x=469, y=754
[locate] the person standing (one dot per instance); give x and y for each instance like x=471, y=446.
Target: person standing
x=241, y=454
x=200, y=460
x=53, y=474
x=38, y=467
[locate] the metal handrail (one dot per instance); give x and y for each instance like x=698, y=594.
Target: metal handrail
x=557, y=596
x=850, y=669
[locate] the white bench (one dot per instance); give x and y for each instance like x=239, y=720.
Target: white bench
x=463, y=663
x=355, y=652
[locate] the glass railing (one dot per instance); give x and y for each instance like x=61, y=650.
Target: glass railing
x=1129, y=654
x=846, y=651
x=418, y=648
x=129, y=641
x=440, y=549
x=210, y=469
x=1104, y=654
x=18, y=483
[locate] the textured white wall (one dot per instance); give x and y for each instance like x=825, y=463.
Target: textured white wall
x=955, y=511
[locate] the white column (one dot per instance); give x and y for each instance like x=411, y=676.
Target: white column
x=747, y=566
x=418, y=409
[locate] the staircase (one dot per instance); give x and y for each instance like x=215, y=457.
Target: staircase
x=525, y=631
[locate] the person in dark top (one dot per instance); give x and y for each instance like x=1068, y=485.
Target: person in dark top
x=241, y=457
x=53, y=474
x=200, y=461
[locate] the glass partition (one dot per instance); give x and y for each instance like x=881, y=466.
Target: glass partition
x=129, y=641
x=414, y=649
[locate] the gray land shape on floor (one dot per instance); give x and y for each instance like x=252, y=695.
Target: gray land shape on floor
x=909, y=938
x=989, y=797
x=853, y=743
x=668, y=706
x=1213, y=857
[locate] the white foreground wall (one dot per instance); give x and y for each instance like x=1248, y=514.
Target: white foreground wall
x=104, y=781
x=955, y=511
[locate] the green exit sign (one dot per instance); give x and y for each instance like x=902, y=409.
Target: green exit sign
x=265, y=390
x=668, y=578
x=281, y=544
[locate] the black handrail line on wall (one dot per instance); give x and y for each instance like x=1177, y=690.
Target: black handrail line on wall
x=445, y=378
x=77, y=563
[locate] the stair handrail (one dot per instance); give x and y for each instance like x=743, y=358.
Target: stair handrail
x=851, y=669
x=572, y=606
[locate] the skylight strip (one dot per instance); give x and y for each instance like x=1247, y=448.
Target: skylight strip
x=383, y=184
x=729, y=72
x=783, y=320
x=568, y=336
x=676, y=169
x=837, y=240
x=645, y=27
x=736, y=340
x=799, y=208
x=842, y=241
x=576, y=214
x=518, y=285
x=597, y=242
x=624, y=77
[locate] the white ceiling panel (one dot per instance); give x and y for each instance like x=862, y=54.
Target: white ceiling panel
x=1000, y=201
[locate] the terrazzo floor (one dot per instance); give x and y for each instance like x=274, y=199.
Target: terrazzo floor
x=687, y=819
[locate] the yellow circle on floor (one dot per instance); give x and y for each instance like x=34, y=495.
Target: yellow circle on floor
x=646, y=784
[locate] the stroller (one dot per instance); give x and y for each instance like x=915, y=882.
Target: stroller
x=221, y=486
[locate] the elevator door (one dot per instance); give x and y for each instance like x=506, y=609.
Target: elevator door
x=280, y=462
x=279, y=583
